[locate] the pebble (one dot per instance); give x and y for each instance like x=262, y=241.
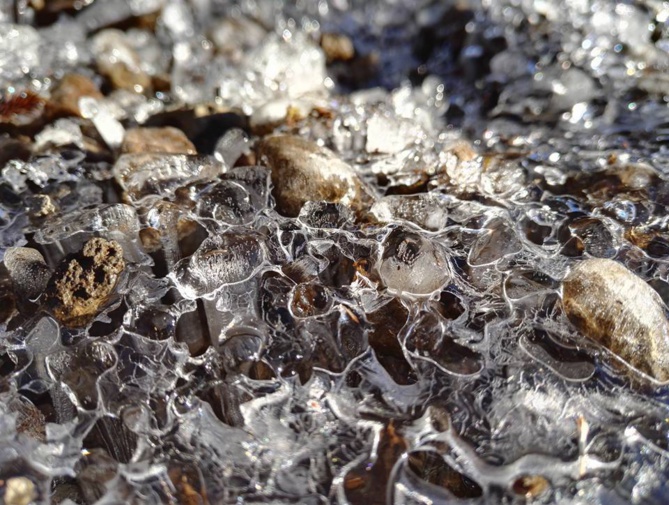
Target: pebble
x=83, y=282
x=611, y=305
x=66, y=94
x=28, y=270
x=337, y=47
x=117, y=60
x=157, y=140
x=303, y=171
x=19, y=491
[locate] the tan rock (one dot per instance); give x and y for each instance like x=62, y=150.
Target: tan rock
x=337, y=47
x=118, y=61
x=303, y=171
x=83, y=282
x=19, y=491
x=614, y=307
x=66, y=94
x=157, y=140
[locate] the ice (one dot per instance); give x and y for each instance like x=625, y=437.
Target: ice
x=429, y=211
x=388, y=135
x=231, y=146
x=221, y=260
x=110, y=129
x=237, y=199
x=145, y=175
x=20, y=53
x=61, y=133
x=270, y=341
x=290, y=67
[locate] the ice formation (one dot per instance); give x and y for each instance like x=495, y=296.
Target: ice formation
x=334, y=251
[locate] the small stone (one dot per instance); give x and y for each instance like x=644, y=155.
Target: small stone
x=530, y=486
x=337, y=47
x=303, y=171
x=84, y=281
x=614, y=307
x=19, y=491
x=28, y=271
x=41, y=206
x=117, y=60
x=157, y=140
x=66, y=94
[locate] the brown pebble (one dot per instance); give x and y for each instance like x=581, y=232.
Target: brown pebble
x=84, y=281
x=303, y=171
x=118, y=61
x=66, y=94
x=530, y=486
x=40, y=206
x=337, y=47
x=614, y=307
x=157, y=140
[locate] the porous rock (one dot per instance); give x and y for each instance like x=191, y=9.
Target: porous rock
x=84, y=281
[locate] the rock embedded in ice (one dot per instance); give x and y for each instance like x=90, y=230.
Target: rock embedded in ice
x=66, y=94
x=614, y=307
x=83, y=282
x=157, y=140
x=303, y=171
x=221, y=259
x=412, y=265
x=28, y=270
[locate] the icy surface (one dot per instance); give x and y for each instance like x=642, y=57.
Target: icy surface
x=424, y=335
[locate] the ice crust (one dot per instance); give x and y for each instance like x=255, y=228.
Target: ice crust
x=408, y=348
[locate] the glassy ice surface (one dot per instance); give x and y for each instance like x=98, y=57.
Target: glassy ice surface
x=419, y=257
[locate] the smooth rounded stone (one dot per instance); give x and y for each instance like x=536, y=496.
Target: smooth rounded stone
x=84, y=281
x=28, y=270
x=303, y=171
x=614, y=307
x=19, y=491
x=157, y=140
x=66, y=94
x=412, y=265
x=337, y=47
x=117, y=60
